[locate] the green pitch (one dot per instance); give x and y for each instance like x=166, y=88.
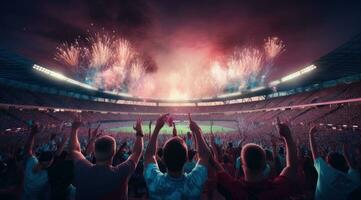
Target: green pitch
x=182, y=128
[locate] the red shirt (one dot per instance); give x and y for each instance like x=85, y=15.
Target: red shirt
x=277, y=188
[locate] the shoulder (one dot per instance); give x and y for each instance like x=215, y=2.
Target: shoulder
x=82, y=164
x=198, y=175
x=126, y=167
x=31, y=160
x=320, y=163
x=151, y=170
x=198, y=170
x=279, y=180
x=154, y=178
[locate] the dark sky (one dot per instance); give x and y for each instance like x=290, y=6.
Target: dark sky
x=309, y=28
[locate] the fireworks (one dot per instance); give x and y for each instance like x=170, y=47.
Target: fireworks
x=273, y=47
x=68, y=54
x=244, y=63
x=100, y=52
x=112, y=63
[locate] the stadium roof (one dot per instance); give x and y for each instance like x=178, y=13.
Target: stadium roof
x=342, y=62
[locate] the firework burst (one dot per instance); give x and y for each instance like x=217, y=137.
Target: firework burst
x=100, y=51
x=68, y=54
x=273, y=47
x=112, y=63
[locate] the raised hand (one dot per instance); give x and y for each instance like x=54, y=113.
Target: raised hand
x=283, y=129
x=193, y=125
x=138, y=128
x=161, y=121
x=94, y=134
x=77, y=122
x=174, y=130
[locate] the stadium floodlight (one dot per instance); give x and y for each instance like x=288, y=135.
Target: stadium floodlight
x=257, y=89
x=229, y=95
x=298, y=73
x=292, y=76
x=274, y=83
x=61, y=77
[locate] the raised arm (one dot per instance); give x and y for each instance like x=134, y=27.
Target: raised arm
x=203, y=150
x=61, y=146
x=313, y=144
x=138, y=145
x=152, y=145
x=74, y=142
x=274, y=146
x=290, y=170
x=92, y=136
x=174, y=130
x=34, y=129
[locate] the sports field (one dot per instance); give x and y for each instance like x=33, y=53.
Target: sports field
x=182, y=128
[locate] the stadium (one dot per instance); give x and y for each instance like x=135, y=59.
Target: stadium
x=325, y=93
x=322, y=87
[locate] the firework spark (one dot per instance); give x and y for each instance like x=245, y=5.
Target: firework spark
x=68, y=54
x=112, y=63
x=273, y=47
x=100, y=51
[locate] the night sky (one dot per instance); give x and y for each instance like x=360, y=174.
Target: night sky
x=309, y=28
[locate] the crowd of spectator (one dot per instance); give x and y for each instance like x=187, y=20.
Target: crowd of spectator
x=81, y=161
x=313, y=152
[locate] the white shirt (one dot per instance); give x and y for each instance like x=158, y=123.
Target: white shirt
x=334, y=184
x=34, y=182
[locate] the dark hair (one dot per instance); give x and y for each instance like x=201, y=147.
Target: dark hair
x=45, y=156
x=337, y=161
x=254, y=157
x=104, y=148
x=175, y=154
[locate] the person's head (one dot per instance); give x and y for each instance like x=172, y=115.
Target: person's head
x=253, y=158
x=337, y=161
x=104, y=148
x=45, y=159
x=175, y=154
